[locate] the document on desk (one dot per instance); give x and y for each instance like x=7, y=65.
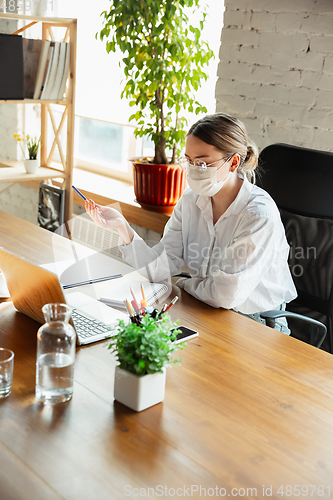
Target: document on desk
x=95, y=309
x=92, y=269
x=120, y=290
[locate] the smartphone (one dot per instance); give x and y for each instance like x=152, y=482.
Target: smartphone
x=186, y=334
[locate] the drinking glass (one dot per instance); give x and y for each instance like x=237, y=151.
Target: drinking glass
x=6, y=372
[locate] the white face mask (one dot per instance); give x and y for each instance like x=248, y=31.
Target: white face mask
x=205, y=184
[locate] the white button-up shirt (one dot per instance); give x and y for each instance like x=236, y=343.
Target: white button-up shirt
x=240, y=262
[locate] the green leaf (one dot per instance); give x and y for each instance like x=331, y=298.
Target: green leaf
x=146, y=348
x=163, y=62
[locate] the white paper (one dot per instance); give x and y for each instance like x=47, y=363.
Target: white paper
x=4, y=293
x=58, y=267
x=93, y=308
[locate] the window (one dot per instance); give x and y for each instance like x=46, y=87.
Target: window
x=99, y=146
x=104, y=147
x=104, y=137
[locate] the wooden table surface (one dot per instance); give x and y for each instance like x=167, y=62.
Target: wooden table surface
x=249, y=411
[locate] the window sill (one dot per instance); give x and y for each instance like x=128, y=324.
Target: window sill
x=106, y=191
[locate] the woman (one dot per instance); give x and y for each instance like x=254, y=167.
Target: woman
x=226, y=230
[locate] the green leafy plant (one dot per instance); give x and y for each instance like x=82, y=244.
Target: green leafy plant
x=32, y=144
x=146, y=348
x=163, y=65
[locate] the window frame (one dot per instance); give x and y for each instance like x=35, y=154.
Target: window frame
x=98, y=166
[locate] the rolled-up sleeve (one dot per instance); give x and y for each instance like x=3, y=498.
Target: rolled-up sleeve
x=164, y=259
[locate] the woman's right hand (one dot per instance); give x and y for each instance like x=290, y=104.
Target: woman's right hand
x=109, y=217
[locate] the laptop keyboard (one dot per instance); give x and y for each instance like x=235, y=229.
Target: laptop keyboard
x=87, y=328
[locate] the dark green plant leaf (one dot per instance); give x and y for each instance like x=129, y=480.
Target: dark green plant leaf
x=145, y=349
x=164, y=61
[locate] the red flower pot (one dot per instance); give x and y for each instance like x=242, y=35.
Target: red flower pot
x=158, y=187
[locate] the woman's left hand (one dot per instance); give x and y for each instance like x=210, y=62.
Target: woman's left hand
x=110, y=217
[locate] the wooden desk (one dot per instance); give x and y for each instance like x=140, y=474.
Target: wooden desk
x=248, y=408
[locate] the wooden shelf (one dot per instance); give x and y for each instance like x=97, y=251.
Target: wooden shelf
x=64, y=102
x=13, y=171
x=56, y=21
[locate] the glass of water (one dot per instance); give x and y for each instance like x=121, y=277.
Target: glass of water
x=6, y=372
x=55, y=355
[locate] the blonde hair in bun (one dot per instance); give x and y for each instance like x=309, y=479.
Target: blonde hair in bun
x=228, y=134
x=251, y=161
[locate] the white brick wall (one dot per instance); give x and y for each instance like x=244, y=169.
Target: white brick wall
x=21, y=201
x=276, y=70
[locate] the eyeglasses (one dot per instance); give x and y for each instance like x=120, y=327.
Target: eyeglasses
x=199, y=164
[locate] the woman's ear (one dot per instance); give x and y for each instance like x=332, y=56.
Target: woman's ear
x=235, y=161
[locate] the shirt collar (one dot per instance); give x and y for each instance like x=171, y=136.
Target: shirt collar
x=239, y=203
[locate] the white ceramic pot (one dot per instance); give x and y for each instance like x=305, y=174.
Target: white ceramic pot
x=31, y=166
x=139, y=393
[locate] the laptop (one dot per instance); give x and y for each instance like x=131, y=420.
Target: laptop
x=31, y=286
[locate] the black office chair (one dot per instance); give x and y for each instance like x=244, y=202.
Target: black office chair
x=300, y=181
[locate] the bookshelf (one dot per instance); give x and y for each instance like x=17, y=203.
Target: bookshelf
x=13, y=171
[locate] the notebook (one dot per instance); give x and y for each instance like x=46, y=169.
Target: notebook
x=120, y=290
x=31, y=286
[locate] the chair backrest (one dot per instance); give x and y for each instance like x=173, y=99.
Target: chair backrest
x=300, y=181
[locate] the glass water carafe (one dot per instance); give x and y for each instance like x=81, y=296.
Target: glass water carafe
x=55, y=355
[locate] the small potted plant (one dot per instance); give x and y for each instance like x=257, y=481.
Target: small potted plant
x=32, y=144
x=144, y=351
x=163, y=61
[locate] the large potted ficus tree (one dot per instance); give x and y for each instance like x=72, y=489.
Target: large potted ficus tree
x=163, y=61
